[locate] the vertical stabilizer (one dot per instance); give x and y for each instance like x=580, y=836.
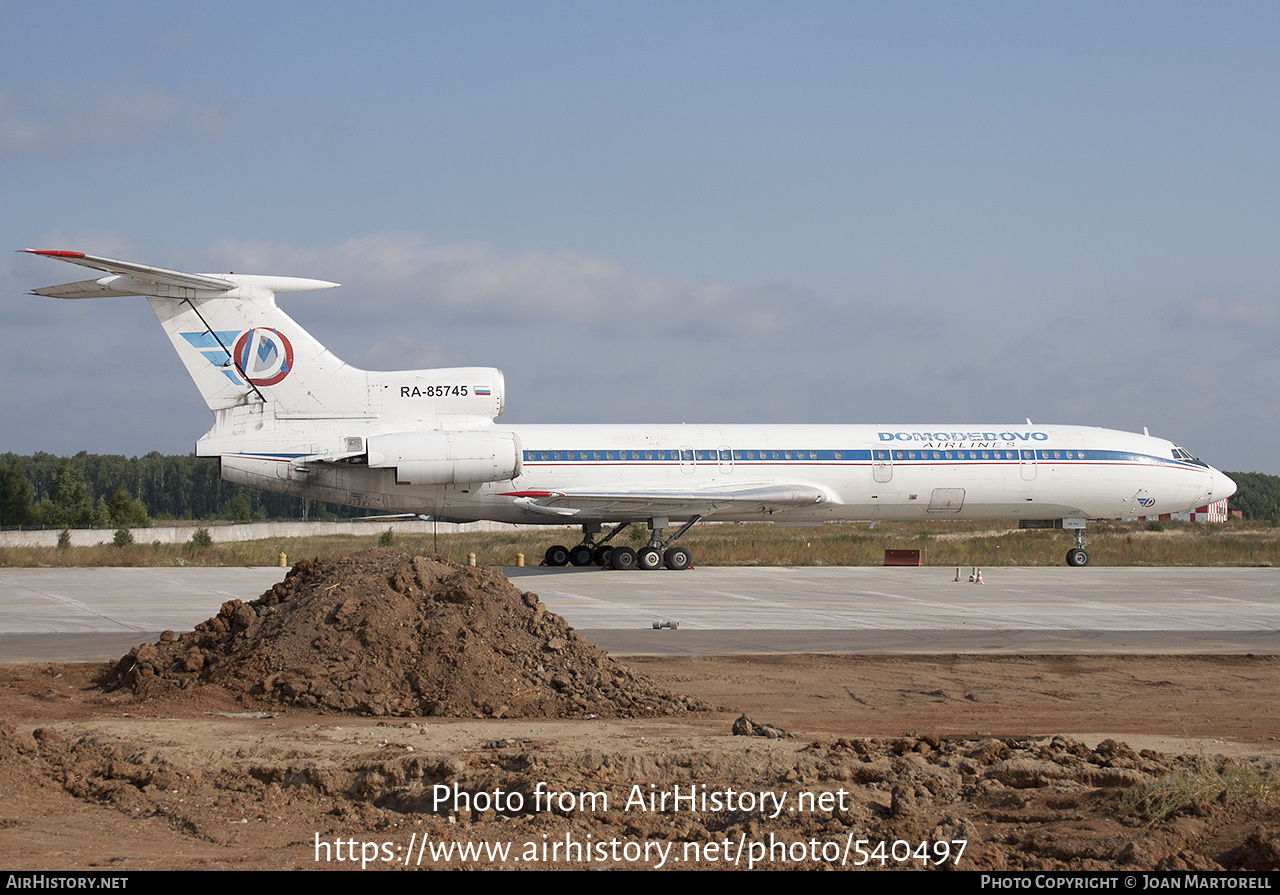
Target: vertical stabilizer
x=242, y=349
x=239, y=347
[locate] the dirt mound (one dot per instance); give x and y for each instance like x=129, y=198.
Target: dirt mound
x=383, y=633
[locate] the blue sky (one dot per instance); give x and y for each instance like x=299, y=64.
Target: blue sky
x=899, y=212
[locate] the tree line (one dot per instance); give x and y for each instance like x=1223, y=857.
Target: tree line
x=110, y=490
x=1257, y=495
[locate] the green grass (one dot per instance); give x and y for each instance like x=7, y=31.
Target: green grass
x=1199, y=781
x=846, y=544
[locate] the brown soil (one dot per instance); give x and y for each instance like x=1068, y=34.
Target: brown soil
x=312, y=723
x=383, y=633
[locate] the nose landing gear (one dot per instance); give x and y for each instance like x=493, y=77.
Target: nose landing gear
x=1077, y=555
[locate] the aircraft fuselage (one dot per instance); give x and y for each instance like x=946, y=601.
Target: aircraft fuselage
x=895, y=472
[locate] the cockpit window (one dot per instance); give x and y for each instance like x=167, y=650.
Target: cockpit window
x=1185, y=457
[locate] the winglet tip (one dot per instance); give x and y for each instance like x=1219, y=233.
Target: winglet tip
x=54, y=253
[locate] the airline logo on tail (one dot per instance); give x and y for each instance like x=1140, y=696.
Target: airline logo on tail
x=263, y=355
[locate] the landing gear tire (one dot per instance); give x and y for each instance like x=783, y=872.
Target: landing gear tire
x=557, y=556
x=649, y=558
x=1077, y=556
x=581, y=555
x=678, y=559
x=601, y=556
x=624, y=559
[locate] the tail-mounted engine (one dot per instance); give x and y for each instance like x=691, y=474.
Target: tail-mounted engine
x=440, y=457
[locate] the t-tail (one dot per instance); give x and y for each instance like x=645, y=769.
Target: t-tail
x=274, y=390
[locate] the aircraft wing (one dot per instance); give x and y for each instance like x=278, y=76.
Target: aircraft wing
x=129, y=279
x=395, y=517
x=643, y=504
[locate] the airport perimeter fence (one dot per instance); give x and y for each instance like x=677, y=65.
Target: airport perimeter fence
x=230, y=532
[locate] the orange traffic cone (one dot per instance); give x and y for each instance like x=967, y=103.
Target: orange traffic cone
x=978, y=580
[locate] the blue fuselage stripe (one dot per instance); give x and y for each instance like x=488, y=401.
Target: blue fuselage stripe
x=853, y=457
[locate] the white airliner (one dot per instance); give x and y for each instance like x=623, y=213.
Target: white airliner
x=289, y=416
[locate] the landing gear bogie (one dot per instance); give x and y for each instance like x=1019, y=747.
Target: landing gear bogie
x=657, y=553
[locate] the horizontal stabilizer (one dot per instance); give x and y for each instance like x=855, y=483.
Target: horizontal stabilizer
x=128, y=278
x=83, y=289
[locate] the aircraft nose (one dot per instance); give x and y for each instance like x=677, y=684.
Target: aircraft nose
x=1220, y=486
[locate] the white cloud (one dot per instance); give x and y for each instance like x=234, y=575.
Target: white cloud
x=1229, y=313
x=580, y=336
x=479, y=284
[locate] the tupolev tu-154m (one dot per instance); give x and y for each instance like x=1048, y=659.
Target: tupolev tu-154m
x=289, y=416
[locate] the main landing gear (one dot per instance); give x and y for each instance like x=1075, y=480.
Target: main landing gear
x=657, y=553
x=588, y=551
